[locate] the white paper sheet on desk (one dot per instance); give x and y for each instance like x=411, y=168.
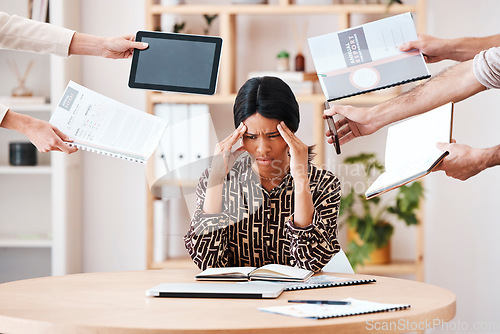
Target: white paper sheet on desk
x=323, y=311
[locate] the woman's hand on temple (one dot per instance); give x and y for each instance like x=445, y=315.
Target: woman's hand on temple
x=298, y=152
x=224, y=159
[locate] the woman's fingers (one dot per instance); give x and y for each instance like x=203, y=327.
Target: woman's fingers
x=287, y=134
x=237, y=134
x=228, y=142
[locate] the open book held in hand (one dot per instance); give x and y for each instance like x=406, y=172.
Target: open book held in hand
x=99, y=124
x=367, y=58
x=269, y=272
x=411, y=151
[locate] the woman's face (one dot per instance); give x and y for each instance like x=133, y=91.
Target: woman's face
x=264, y=142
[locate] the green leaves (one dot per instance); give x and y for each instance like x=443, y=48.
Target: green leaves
x=283, y=54
x=208, y=20
x=408, y=202
x=357, y=254
x=367, y=218
x=367, y=160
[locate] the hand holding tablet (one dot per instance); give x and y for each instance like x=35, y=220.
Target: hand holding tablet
x=176, y=62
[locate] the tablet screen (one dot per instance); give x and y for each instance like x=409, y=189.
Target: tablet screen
x=176, y=62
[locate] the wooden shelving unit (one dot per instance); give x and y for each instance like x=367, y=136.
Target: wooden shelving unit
x=227, y=15
x=40, y=210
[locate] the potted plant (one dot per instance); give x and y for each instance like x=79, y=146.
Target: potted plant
x=283, y=61
x=208, y=20
x=368, y=219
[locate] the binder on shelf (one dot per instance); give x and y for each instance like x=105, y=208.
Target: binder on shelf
x=199, y=150
x=367, y=58
x=180, y=135
x=178, y=222
x=163, y=155
x=160, y=231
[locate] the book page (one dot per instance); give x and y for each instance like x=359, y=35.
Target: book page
x=227, y=271
x=320, y=311
x=278, y=270
x=103, y=123
x=411, y=150
x=411, y=144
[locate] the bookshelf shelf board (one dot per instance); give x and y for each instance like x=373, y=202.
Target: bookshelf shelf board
x=180, y=263
x=395, y=267
x=31, y=108
x=24, y=170
x=11, y=242
x=370, y=98
x=283, y=9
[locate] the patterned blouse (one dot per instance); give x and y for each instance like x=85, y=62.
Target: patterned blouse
x=256, y=226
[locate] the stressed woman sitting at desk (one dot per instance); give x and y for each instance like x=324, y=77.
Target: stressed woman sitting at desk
x=264, y=202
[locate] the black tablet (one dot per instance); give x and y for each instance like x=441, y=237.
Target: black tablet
x=176, y=62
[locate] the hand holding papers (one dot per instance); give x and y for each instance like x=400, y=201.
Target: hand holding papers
x=102, y=125
x=411, y=150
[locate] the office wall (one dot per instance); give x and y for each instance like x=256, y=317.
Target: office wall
x=114, y=198
x=461, y=217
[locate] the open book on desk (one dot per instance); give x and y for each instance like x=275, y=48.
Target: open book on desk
x=411, y=150
x=99, y=124
x=324, y=311
x=269, y=272
x=366, y=58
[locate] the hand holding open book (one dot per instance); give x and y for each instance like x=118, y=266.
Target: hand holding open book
x=411, y=151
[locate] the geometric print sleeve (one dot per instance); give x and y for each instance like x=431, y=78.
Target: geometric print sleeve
x=312, y=247
x=207, y=238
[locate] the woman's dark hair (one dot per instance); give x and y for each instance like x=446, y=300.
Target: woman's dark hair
x=272, y=98
x=269, y=96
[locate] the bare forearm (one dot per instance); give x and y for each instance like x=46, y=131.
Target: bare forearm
x=304, y=208
x=492, y=156
x=463, y=49
x=452, y=85
x=15, y=121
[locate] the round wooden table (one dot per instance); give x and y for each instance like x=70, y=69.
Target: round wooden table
x=116, y=303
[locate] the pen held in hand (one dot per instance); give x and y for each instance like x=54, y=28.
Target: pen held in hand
x=326, y=302
x=333, y=130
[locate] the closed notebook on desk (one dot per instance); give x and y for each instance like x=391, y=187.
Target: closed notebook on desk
x=216, y=290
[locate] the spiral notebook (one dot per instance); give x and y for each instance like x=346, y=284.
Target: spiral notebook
x=324, y=311
x=102, y=125
x=325, y=281
x=366, y=58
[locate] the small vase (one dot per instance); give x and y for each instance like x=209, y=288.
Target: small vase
x=21, y=90
x=300, y=62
